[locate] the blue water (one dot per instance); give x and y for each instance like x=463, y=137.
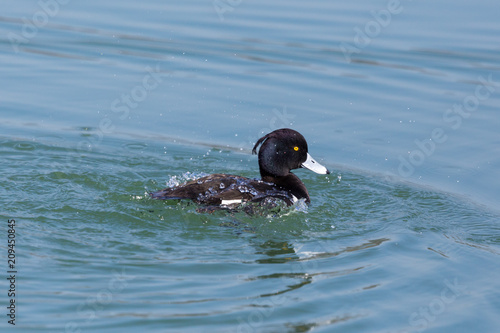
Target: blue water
x=102, y=102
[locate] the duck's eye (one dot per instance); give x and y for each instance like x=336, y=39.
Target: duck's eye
x=296, y=148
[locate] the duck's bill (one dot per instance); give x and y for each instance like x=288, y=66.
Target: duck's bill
x=312, y=165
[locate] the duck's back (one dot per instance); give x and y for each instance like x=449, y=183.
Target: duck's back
x=224, y=190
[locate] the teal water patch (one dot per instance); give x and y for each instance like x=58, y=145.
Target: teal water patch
x=368, y=252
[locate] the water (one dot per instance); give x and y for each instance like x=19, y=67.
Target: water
x=103, y=102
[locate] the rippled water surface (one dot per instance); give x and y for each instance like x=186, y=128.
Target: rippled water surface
x=103, y=102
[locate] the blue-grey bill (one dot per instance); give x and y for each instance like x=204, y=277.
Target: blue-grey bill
x=312, y=165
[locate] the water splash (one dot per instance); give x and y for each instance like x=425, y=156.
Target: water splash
x=185, y=177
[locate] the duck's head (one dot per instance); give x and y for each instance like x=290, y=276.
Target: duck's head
x=283, y=150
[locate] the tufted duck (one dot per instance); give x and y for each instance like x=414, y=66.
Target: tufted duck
x=282, y=150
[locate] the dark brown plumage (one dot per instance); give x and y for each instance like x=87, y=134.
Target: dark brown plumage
x=281, y=151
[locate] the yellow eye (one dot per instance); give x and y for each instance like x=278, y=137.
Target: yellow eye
x=296, y=148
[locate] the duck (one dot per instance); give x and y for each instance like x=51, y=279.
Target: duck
x=281, y=151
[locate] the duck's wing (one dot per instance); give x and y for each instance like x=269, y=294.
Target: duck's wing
x=215, y=189
x=224, y=190
x=192, y=189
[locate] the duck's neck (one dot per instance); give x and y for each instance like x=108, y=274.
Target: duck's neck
x=289, y=182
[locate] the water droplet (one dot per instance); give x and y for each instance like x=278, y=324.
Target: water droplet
x=243, y=189
x=24, y=146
